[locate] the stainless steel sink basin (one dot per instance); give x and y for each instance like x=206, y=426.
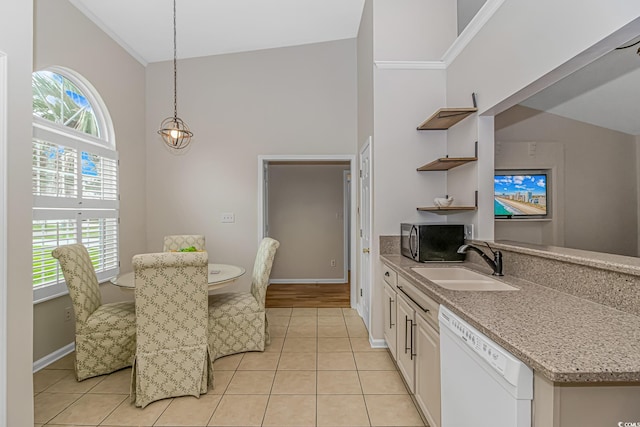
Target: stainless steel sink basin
x=461, y=279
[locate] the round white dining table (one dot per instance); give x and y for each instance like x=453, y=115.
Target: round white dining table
x=220, y=275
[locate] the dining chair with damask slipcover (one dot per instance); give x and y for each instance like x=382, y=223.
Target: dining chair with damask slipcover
x=105, y=338
x=237, y=320
x=180, y=241
x=172, y=354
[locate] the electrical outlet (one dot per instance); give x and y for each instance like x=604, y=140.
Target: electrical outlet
x=468, y=232
x=228, y=217
x=68, y=314
x=333, y=263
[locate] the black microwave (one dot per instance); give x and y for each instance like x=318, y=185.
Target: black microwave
x=432, y=242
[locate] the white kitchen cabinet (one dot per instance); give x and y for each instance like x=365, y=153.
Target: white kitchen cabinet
x=417, y=345
x=390, y=281
x=405, y=341
x=427, y=370
x=390, y=318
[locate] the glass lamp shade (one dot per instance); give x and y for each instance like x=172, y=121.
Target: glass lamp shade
x=175, y=133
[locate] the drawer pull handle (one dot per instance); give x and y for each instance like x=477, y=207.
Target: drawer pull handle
x=386, y=273
x=406, y=333
x=391, y=324
x=426, y=310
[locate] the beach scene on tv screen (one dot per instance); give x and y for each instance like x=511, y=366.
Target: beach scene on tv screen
x=520, y=195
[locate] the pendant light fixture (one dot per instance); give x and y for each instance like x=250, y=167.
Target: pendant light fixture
x=174, y=130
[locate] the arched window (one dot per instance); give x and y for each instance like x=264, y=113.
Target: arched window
x=74, y=178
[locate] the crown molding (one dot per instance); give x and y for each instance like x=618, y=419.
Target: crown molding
x=471, y=30
x=410, y=65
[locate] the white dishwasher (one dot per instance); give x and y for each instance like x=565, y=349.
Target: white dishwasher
x=482, y=384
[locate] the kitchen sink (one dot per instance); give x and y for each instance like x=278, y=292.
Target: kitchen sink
x=461, y=279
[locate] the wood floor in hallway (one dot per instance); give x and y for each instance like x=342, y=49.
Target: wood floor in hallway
x=325, y=295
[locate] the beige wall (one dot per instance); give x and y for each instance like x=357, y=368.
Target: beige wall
x=119, y=79
x=413, y=30
x=297, y=100
x=597, y=178
x=306, y=215
x=403, y=98
x=365, y=74
x=16, y=43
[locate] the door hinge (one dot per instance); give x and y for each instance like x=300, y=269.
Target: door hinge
x=360, y=291
x=360, y=173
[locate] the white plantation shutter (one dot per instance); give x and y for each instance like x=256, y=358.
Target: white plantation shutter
x=100, y=236
x=75, y=200
x=47, y=235
x=104, y=185
x=54, y=171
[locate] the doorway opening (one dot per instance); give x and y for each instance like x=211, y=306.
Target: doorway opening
x=305, y=202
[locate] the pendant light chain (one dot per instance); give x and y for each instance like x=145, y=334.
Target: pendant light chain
x=173, y=130
x=175, y=65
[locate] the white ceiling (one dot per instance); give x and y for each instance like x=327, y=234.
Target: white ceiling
x=211, y=27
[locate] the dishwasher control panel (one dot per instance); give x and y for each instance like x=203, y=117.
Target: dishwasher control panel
x=475, y=341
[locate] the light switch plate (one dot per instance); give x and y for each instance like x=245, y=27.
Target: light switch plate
x=228, y=217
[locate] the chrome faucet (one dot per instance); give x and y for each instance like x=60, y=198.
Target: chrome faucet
x=495, y=263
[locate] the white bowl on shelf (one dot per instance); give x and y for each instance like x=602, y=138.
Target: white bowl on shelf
x=443, y=202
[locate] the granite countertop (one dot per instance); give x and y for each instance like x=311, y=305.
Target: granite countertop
x=565, y=338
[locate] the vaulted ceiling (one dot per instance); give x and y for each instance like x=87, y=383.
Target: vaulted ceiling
x=211, y=27
x=605, y=93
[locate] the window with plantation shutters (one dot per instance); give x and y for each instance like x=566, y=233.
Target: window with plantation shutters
x=74, y=180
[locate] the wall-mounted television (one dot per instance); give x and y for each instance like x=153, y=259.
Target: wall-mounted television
x=521, y=194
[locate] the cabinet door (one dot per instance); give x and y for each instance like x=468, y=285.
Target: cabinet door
x=390, y=319
x=405, y=350
x=427, y=392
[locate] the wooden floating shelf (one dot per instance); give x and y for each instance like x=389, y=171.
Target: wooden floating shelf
x=447, y=210
x=444, y=118
x=446, y=163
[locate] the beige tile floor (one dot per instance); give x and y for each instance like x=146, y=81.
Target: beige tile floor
x=318, y=371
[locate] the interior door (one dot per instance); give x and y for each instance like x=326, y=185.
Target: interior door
x=265, y=199
x=3, y=237
x=365, y=231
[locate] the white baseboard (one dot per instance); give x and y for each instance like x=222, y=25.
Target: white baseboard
x=307, y=281
x=52, y=357
x=377, y=343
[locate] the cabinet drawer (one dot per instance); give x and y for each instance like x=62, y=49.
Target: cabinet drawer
x=389, y=275
x=425, y=306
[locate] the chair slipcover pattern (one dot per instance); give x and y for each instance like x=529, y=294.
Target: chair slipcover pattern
x=177, y=242
x=172, y=355
x=237, y=320
x=105, y=333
